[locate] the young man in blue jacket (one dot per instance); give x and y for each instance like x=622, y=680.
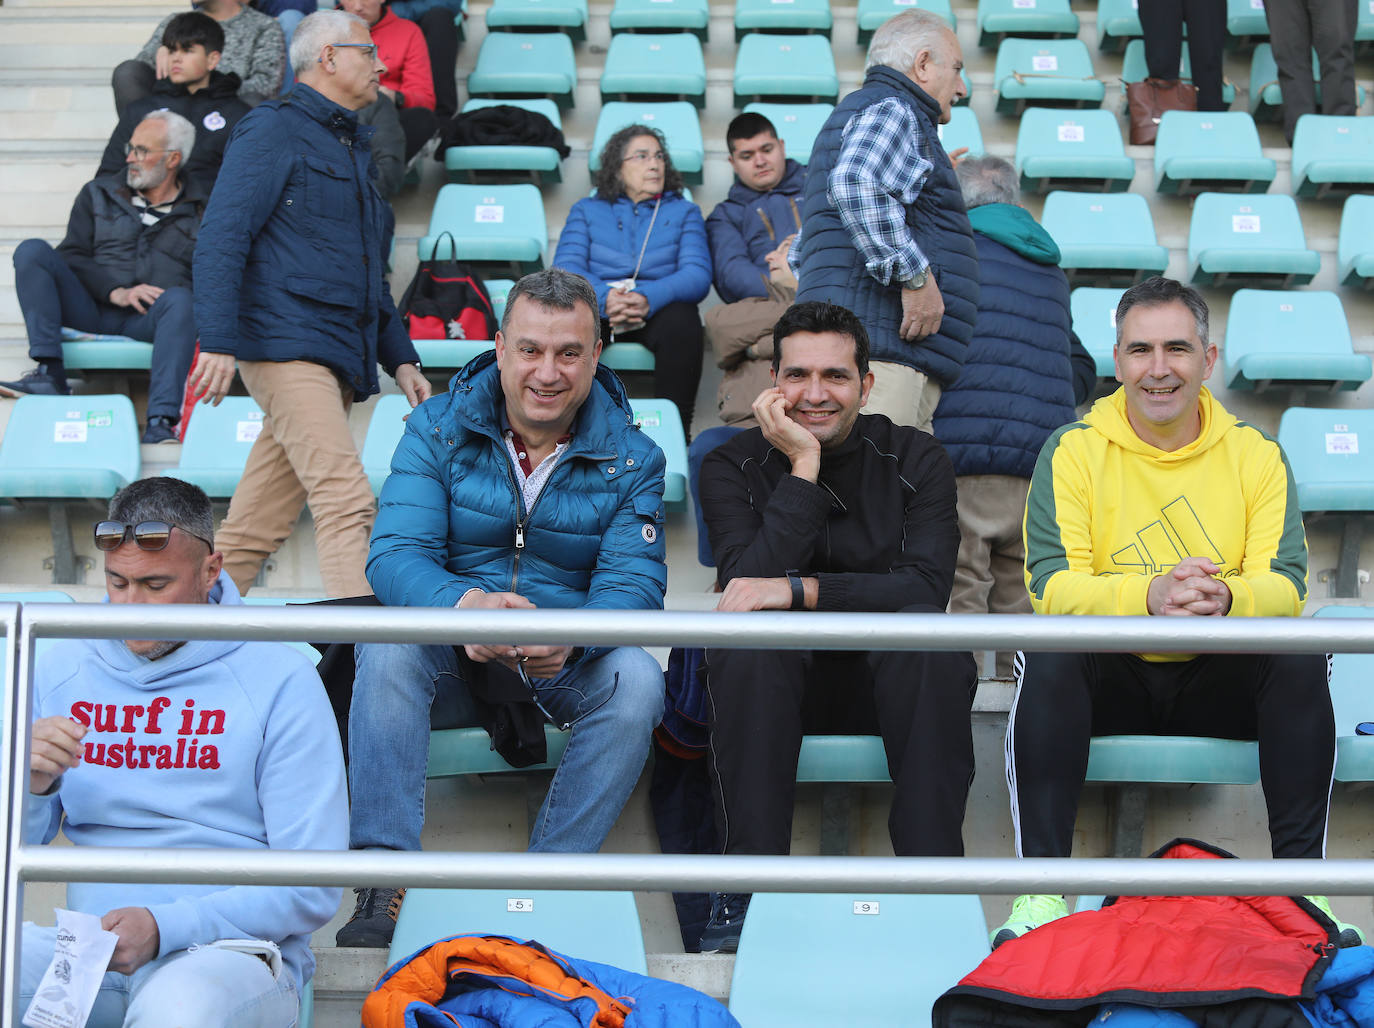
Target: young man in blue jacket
x=526, y=485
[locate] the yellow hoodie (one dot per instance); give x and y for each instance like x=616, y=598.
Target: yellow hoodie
x=1107, y=512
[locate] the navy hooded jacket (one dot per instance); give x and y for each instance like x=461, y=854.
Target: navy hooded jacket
x=748, y=224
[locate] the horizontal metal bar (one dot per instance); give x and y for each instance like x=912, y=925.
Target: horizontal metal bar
x=774, y=629
x=663, y=873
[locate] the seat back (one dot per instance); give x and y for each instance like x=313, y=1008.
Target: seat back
x=384, y=432
x=1331, y=468
x=962, y=130
x=797, y=125
x=1094, y=320
x=1355, y=250
x=1287, y=335
x=769, y=66
x=1331, y=151
x=677, y=120
x=660, y=421
x=500, y=225
x=1197, y=150
x=1245, y=20
x=1248, y=238
x=1118, y=22
x=1043, y=58
x=1046, y=18
x=1352, y=702
x=654, y=66
x=1078, y=148
x=872, y=13
x=69, y=447
x=217, y=443
x=1104, y=238
x=525, y=64
x=795, y=16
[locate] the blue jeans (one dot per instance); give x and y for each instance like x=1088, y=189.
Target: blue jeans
x=50, y=295
x=613, y=701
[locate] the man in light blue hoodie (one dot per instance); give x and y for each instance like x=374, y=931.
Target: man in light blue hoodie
x=161, y=744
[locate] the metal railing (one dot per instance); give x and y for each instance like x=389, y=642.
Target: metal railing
x=645, y=872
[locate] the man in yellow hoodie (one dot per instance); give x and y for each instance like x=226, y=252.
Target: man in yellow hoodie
x=1160, y=502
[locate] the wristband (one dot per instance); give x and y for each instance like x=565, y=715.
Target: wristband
x=798, y=592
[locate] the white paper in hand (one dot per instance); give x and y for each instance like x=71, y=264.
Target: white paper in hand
x=79, y=961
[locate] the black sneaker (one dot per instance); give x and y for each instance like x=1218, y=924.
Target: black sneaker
x=721, y=934
x=38, y=382
x=374, y=919
x=160, y=430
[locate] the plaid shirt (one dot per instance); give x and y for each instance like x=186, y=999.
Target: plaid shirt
x=884, y=160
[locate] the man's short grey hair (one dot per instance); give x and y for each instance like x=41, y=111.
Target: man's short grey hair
x=316, y=32
x=900, y=40
x=555, y=288
x=1157, y=291
x=986, y=180
x=161, y=498
x=180, y=133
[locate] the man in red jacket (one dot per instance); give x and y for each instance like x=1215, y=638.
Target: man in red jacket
x=408, y=81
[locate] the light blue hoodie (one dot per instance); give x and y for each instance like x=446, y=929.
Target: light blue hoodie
x=216, y=744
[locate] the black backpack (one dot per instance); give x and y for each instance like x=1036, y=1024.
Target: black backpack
x=447, y=300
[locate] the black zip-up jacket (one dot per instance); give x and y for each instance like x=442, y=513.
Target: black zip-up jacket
x=878, y=529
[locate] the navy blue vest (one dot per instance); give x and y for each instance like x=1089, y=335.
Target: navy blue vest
x=833, y=269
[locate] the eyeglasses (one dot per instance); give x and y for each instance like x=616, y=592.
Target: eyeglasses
x=369, y=49
x=644, y=156
x=140, y=153
x=147, y=535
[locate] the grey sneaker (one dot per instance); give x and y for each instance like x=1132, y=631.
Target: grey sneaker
x=38, y=382
x=373, y=921
x=721, y=934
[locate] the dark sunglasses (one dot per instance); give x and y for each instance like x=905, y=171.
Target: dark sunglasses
x=147, y=535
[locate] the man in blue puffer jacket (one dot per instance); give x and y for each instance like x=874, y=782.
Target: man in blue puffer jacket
x=527, y=485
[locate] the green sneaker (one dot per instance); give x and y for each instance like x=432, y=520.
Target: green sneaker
x=1029, y=912
x=1349, y=934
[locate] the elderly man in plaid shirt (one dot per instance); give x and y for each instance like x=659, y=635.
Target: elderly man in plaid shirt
x=884, y=231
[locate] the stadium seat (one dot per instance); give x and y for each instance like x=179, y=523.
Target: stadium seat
x=1355, y=250
x=678, y=121
x=539, y=163
x=598, y=926
x=785, y=67
x=60, y=448
x=661, y=16
x=1352, y=700
x=1266, y=99
x=488, y=225
x=525, y=64
x=886, y=957
x=307, y=1014
x=1104, y=239
x=1210, y=151
x=1288, y=337
x=1045, y=73
x=1134, y=69
x=962, y=130
x=90, y=351
x=1163, y=759
x=467, y=751
x=1332, y=154
x=1118, y=22
x=217, y=443
x=1072, y=150
x=384, y=431
x=1249, y=240
x=568, y=16
x=1027, y=19
x=659, y=66
x=872, y=13
x=661, y=422
x=797, y=125
x=1245, y=22
x=1364, y=30
x=786, y=16
x=1094, y=322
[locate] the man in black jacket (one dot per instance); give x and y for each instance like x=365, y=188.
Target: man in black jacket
x=123, y=269
x=821, y=508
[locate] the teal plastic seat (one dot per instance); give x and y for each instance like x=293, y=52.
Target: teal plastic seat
x=1355, y=250
x=490, y=225
x=1072, y=150
x=307, y=1014
x=568, y=16
x=1045, y=73
x=454, y=353
x=661, y=16
x=962, y=130
x=1331, y=453
x=1364, y=30
x=598, y=926
x=677, y=120
x=1332, y=153
x=886, y=958
x=1036, y=19
x=384, y=431
x=1290, y=338
x=658, y=66
x=1118, y=22
x=1352, y=701
x=1245, y=22
x=785, y=67
x=525, y=64
x=467, y=751
x=626, y=356
x=1134, y=69
x=540, y=163
x=842, y=758
x=1105, y=239
x=660, y=421
x=872, y=13
x=1266, y=99
x=1172, y=758
x=1093, y=310
x=217, y=443
x=1210, y=151
x=797, y=125
x=69, y=447
x=90, y=351
x=785, y=16
x=1250, y=240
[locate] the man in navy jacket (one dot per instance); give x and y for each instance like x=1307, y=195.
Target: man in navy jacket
x=288, y=281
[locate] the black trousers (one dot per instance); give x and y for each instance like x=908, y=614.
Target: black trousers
x=1295, y=27
x=418, y=124
x=441, y=37
x=673, y=335
x=1162, y=23
x=763, y=701
x=1063, y=699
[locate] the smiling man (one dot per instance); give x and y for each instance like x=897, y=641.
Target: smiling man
x=1160, y=502
x=526, y=485
x=824, y=508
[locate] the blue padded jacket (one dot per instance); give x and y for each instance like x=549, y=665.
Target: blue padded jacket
x=748, y=224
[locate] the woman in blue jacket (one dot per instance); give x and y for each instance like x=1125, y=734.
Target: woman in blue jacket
x=644, y=249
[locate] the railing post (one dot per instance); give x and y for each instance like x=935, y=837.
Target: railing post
x=14, y=749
